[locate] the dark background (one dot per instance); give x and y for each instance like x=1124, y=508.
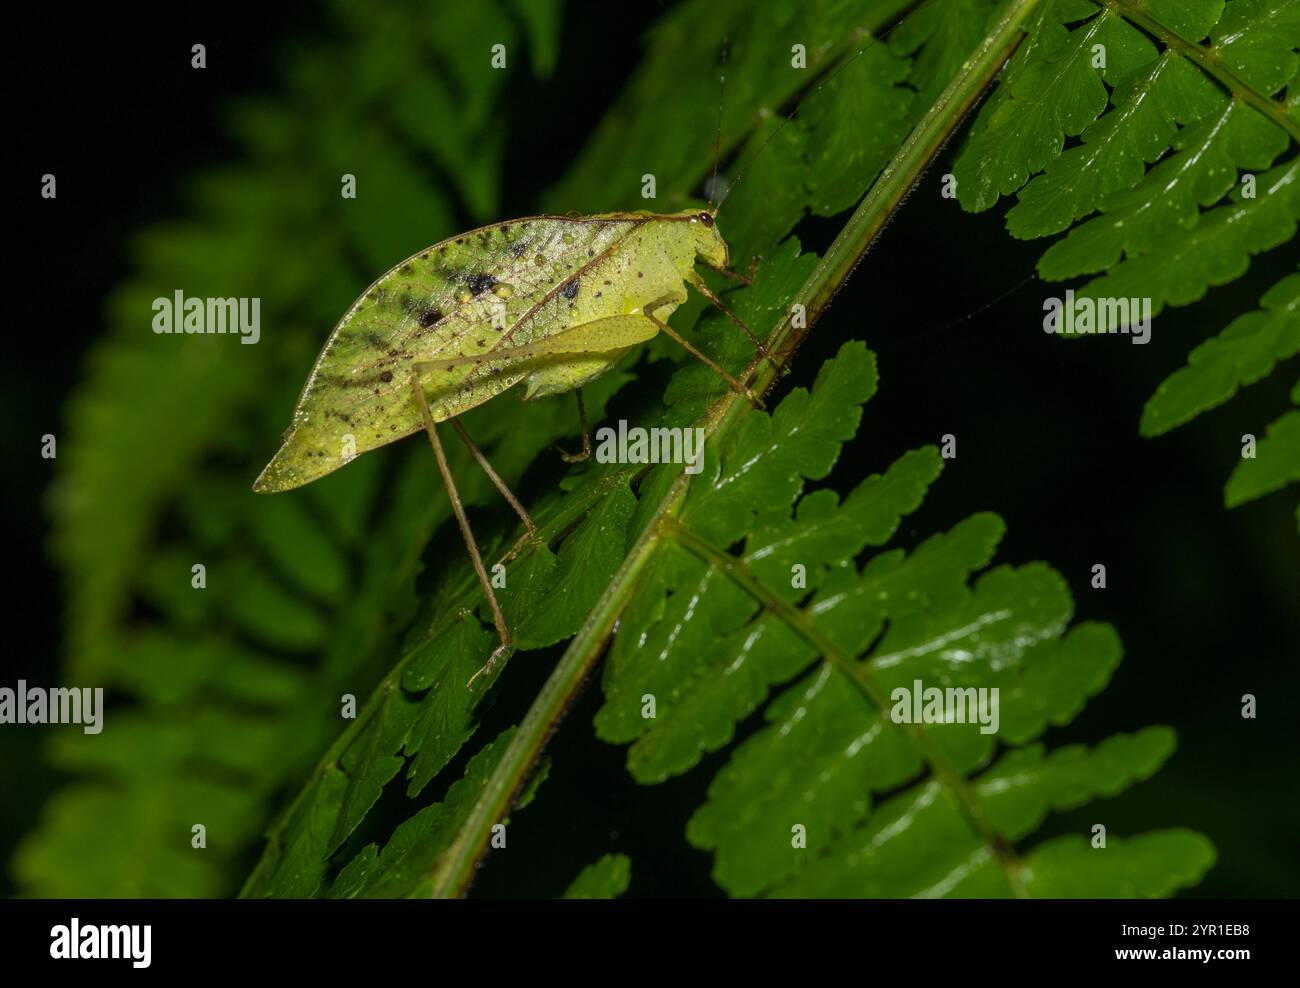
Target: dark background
x=1204, y=598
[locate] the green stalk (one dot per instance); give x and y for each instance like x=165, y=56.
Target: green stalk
x=455, y=869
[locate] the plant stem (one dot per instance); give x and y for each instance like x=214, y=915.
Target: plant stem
x=455, y=869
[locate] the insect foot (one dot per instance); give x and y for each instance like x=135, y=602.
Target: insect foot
x=528, y=538
x=490, y=664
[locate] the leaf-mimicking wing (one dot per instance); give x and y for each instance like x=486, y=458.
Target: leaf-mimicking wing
x=504, y=285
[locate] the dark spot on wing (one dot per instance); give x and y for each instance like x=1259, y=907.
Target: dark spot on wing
x=406, y=268
x=479, y=283
x=429, y=316
x=570, y=289
x=386, y=376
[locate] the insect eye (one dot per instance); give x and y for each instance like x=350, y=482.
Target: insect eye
x=706, y=219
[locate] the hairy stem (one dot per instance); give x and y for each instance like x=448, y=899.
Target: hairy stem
x=455, y=869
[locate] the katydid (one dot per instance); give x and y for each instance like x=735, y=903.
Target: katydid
x=551, y=302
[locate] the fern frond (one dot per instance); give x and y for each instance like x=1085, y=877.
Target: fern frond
x=1185, y=168
x=941, y=36
x=707, y=656
x=607, y=878
x=406, y=862
x=1245, y=352
x=923, y=826
x=1275, y=464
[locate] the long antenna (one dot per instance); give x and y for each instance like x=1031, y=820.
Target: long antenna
x=875, y=40
x=717, y=136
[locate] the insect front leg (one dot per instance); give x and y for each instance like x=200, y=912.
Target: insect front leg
x=458, y=509
x=745, y=279
x=690, y=348
x=717, y=303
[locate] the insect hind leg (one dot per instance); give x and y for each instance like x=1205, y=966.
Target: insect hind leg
x=458, y=509
x=585, y=453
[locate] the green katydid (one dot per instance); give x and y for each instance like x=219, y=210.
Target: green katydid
x=549, y=301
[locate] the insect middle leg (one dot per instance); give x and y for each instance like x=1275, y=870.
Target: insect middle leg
x=586, y=436
x=458, y=509
x=493, y=476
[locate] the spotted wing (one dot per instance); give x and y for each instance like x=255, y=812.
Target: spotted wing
x=502, y=285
